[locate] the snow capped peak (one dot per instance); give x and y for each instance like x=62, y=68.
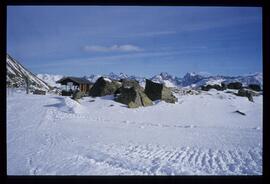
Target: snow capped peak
x=164, y=74
x=192, y=74
x=123, y=75
x=166, y=79
x=191, y=78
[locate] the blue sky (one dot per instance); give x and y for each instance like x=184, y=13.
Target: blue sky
x=144, y=41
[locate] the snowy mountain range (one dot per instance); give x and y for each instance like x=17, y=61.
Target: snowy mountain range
x=190, y=80
x=193, y=80
x=16, y=74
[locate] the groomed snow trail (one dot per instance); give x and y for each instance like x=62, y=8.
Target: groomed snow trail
x=201, y=135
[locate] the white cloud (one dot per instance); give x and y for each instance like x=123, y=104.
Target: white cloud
x=117, y=48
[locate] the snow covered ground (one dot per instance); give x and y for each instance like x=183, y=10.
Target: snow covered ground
x=200, y=135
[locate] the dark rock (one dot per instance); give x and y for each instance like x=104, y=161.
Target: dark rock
x=214, y=86
x=156, y=91
x=234, y=85
x=254, y=87
x=66, y=93
x=128, y=84
x=131, y=83
x=104, y=87
x=246, y=93
x=39, y=92
x=133, y=97
x=237, y=111
x=224, y=86
x=78, y=95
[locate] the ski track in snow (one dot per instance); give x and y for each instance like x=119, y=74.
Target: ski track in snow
x=61, y=152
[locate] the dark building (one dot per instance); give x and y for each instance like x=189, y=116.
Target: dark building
x=73, y=83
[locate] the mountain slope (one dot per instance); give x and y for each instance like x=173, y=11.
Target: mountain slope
x=16, y=74
x=51, y=79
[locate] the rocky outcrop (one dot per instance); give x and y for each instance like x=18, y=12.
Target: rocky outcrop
x=156, y=91
x=224, y=86
x=254, y=87
x=247, y=93
x=234, y=85
x=126, y=83
x=39, y=92
x=214, y=86
x=77, y=95
x=133, y=97
x=104, y=86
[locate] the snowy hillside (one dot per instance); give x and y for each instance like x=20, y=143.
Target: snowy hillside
x=16, y=74
x=200, y=135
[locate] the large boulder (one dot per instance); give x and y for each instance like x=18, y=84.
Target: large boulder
x=214, y=86
x=156, y=91
x=234, y=85
x=78, y=95
x=133, y=97
x=247, y=93
x=254, y=87
x=224, y=86
x=104, y=86
x=128, y=84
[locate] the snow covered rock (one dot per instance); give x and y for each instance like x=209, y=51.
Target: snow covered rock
x=156, y=91
x=104, y=87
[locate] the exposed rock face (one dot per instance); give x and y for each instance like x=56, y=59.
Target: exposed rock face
x=39, y=92
x=104, y=86
x=126, y=83
x=247, y=93
x=77, y=95
x=130, y=83
x=156, y=91
x=224, y=86
x=215, y=86
x=133, y=97
x=254, y=87
x=234, y=85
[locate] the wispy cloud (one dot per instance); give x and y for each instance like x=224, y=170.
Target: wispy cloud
x=113, y=48
x=108, y=60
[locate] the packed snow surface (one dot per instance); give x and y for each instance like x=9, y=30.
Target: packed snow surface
x=200, y=135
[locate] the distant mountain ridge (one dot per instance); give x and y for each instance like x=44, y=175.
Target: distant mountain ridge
x=16, y=74
x=190, y=80
x=193, y=80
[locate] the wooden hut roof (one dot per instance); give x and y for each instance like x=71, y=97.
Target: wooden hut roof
x=74, y=79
